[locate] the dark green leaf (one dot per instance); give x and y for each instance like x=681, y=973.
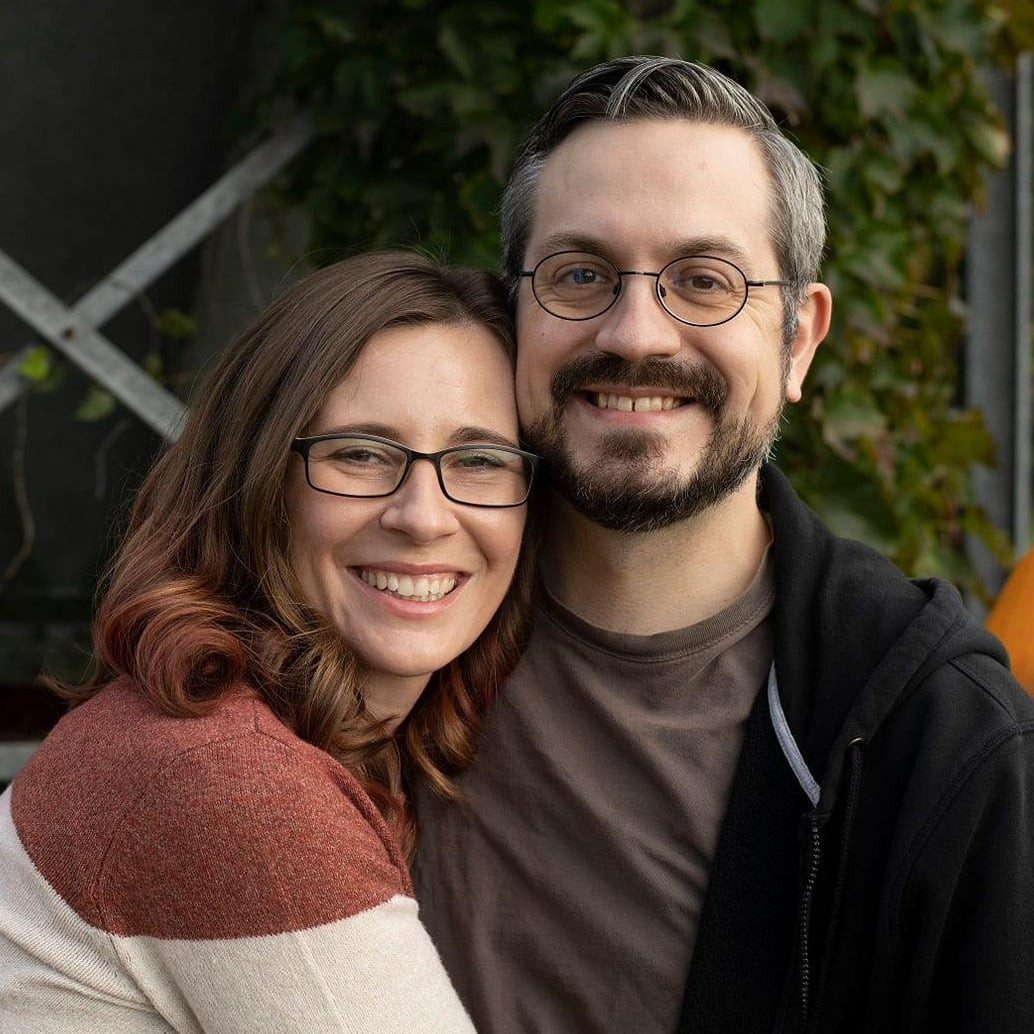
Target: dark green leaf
x=883, y=88
x=780, y=21
x=96, y=404
x=175, y=324
x=37, y=365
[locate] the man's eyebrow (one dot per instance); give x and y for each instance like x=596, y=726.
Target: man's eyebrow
x=564, y=241
x=712, y=244
x=465, y=435
x=719, y=246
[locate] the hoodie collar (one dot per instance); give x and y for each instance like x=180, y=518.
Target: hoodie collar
x=852, y=635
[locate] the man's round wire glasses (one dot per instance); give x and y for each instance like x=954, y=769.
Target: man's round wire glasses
x=700, y=290
x=367, y=466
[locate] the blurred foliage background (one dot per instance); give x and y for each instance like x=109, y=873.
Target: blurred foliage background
x=420, y=106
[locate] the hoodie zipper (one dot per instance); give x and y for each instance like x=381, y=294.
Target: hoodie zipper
x=810, y=880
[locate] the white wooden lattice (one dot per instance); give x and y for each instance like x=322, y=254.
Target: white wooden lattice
x=73, y=330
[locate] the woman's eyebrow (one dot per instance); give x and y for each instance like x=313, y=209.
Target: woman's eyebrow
x=381, y=430
x=474, y=433
x=461, y=436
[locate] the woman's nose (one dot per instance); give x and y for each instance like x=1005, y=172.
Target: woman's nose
x=419, y=508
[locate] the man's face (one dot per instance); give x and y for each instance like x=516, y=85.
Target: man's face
x=645, y=420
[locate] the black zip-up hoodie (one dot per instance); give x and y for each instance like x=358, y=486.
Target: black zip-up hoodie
x=875, y=868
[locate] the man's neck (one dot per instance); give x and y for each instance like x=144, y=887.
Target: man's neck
x=658, y=581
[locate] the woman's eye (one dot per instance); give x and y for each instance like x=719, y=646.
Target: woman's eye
x=478, y=461
x=482, y=463
x=359, y=456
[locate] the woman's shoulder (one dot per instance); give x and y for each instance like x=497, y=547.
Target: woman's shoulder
x=226, y=825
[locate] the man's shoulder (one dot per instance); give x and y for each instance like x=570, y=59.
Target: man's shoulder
x=977, y=694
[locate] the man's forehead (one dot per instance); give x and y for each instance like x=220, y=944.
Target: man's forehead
x=605, y=143
x=686, y=187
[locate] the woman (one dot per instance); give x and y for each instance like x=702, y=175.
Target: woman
x=305, y=614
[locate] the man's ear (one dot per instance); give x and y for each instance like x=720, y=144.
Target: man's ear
x=813, y=315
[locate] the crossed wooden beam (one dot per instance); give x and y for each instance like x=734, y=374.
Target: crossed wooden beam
x=73, y=330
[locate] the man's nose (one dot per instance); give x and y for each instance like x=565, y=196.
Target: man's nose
x=637, y=326
x=419, y=508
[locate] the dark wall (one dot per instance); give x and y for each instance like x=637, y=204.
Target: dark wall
x=113, y=116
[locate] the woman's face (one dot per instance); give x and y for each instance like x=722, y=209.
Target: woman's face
x=426, y=387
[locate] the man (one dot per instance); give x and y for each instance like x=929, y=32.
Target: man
x=747, y=777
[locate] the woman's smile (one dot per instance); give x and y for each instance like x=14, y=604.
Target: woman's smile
x=417, y=586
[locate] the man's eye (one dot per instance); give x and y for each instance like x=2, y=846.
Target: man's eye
x=582, y=276
x=699, y=280
x=702, y=283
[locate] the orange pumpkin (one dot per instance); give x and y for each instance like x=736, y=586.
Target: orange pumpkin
x=1012, y=619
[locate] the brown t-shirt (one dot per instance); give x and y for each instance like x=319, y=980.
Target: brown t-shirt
x=564, y=895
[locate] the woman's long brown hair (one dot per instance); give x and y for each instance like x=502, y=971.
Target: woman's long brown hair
x=201, y=596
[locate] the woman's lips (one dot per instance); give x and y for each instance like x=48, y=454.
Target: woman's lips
x=421, y=588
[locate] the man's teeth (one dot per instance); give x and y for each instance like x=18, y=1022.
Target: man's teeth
x=423, y=587
x=651, y=403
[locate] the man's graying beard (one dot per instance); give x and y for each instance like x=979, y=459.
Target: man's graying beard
x=627, y=489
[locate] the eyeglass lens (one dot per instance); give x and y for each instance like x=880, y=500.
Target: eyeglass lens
x=697, y=289
x=481, y=474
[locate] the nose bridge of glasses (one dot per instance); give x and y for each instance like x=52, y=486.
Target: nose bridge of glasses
x=417, y=508
x=433, y=460
x=656, y=288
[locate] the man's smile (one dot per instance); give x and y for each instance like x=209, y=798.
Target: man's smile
x=634, y=403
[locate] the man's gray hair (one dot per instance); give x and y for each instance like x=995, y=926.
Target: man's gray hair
x=629, y=89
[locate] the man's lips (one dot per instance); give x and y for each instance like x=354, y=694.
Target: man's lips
x=609, y=382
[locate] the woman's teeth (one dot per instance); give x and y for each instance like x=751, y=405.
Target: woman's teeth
x=423, y=588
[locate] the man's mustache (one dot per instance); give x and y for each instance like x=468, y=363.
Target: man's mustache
x=699, y=381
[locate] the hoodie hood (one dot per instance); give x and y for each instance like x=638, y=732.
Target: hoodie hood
x=852, y=634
